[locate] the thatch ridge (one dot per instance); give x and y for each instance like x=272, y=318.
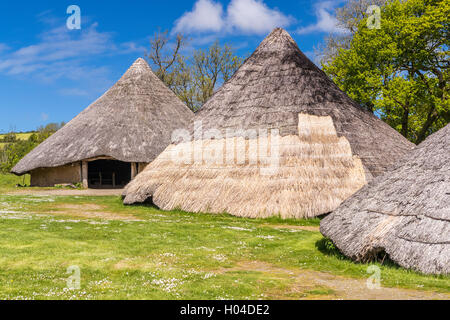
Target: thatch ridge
x=132, y=122
x=404, y=212
x=275, y=86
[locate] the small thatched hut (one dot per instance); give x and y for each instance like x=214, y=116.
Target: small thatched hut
x=108, y=143
x=404, y=213
x=279, y=138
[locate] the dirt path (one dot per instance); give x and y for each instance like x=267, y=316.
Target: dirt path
x=305, y=228
x=90, y=211
x=307, y=283
x=68, y=192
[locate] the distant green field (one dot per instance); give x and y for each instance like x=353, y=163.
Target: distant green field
x=24, y=136
x=20, y=136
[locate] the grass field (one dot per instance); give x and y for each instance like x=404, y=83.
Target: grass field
x=9, y=181
x=140, y=252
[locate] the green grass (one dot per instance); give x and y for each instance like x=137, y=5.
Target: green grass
x=164, y=255
x=9, y=181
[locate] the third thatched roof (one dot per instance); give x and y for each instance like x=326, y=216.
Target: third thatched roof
x=404, y=213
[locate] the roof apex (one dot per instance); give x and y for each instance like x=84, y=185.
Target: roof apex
x=277, y=83
x=139, y=65
x=278, y=32
x=278, y=39
x=139, y=61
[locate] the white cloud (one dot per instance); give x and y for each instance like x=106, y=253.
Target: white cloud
x=55, y=46
x=326, y=21
x=44, y=116
x=63, y=54
x=205, y=16
x=254, y=16
x=73, y=92
x=67, y=59
x=246, y=16
x=131, y=47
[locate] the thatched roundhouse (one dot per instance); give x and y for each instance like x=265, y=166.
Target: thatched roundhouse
x=108, y=143
x=404, y=213
x=279, y=138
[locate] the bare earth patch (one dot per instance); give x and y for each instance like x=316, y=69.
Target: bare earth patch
x=304, y=228
x=91, y=211
x=321, y=285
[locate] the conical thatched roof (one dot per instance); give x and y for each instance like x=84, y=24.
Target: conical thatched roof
x=132, y=122
x=329, y=146
x=404, y=212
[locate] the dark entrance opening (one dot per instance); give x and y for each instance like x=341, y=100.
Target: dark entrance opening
x=108, y=174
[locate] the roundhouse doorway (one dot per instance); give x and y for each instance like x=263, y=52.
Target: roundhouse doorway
x=108, y=174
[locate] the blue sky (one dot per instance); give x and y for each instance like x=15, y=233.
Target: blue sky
x=49, y=73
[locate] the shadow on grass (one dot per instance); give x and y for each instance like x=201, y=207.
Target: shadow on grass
x=270, y=220
x=327, y=247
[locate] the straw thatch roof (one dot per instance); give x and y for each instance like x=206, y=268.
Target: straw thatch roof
x=329, y=147
x=132, y=122
x=404, y=213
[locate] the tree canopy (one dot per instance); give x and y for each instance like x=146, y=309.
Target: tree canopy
x=401, y=70
x=16, y=149
x=193, y=78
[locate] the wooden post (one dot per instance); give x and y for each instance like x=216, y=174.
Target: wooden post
x=133, y=170
x=114, y=179
x=84, y=174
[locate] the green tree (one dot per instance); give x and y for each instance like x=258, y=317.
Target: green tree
x=51, y=127
x=400, y=71
x=210, y=68
x=348, y=18
x=9, y=137
x=194, y=78
x=165, y=55
x=15, y=150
